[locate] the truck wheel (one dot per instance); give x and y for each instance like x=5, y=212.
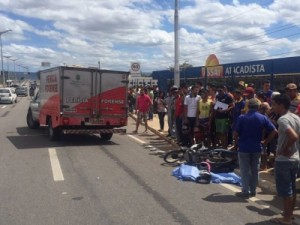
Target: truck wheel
x=31, y=123
x=106, y=136
x=52, y=132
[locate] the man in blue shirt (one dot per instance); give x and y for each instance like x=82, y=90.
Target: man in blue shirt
x=248, y=134
x=267, y=92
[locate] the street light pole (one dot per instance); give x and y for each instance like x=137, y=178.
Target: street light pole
x=2, y=74
x=7, y=57
x=176, y=66
x=14, y=60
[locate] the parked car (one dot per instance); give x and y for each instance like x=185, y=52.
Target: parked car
x=22, y=91
x=8, y=95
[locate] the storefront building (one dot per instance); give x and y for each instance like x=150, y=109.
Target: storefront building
x=279, y=71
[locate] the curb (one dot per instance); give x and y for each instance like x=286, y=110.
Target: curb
x=267, y=185
x=158, y=134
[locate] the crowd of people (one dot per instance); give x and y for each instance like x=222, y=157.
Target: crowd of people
x=257, y=124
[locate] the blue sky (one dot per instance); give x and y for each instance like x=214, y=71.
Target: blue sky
x=119, y=32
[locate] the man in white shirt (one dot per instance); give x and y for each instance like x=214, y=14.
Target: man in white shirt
x=190, y=110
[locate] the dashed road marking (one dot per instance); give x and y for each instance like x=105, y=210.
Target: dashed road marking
x=56, y=169
x=3, y=107
x=137, y=139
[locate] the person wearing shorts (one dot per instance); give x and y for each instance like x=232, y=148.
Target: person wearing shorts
x=221, y=116
x=222, y=125
x=143, y=104
x=203, y=115
x=287, y=157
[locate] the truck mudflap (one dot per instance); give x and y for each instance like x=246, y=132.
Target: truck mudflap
x=93, y=131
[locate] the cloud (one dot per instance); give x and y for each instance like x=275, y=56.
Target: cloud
x=120, y=31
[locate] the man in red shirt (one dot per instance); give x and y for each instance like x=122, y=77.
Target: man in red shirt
x=179, y=109
x=143, y=104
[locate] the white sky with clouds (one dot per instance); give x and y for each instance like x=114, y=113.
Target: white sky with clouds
x=117, y=32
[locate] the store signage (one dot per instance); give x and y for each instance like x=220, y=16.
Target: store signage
x=245, y=69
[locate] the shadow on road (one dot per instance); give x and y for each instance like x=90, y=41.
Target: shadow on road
x=28, y=139
x=264, y=212
x=266, y=222
x=217, y=197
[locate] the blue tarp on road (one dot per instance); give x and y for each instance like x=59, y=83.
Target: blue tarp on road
x=190, y=173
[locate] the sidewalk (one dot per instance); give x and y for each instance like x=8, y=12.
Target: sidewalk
x=266, y=178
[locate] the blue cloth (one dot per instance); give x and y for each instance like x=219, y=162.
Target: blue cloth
x=190, y=173
x=250, y=128
x=230, y=178
x=186, y=172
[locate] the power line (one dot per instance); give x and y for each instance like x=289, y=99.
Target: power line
x=263, y=42
x=268, y=57
x=249, y=37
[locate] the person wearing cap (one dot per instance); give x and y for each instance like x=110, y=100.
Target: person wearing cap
x=287, y=157
x=292, y=92
x=248, y=134
x=249, y=93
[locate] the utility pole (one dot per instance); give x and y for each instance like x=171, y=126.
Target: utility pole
x=7, y=57
x=15, y=77
x=2, y=72
x=176, y=66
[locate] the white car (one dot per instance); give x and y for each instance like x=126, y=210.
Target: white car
x=8, y=95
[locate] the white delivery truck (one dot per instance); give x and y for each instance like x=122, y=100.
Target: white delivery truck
x=72, y=100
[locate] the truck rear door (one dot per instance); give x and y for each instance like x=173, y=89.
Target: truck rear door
x=113, y=96
x=77, y=90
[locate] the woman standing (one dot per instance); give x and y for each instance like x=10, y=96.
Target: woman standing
x=161, y=109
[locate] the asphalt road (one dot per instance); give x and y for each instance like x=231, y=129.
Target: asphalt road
x=82, y=180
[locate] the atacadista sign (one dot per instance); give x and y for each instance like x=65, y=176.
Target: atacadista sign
x=248, y=68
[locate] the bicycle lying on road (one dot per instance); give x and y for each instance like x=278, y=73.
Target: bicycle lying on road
x=220, y=160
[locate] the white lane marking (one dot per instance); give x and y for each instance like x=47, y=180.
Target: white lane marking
x=137, y=139
x=230, y=187
x=3, y=107
x=56, y=169
x=254, y=199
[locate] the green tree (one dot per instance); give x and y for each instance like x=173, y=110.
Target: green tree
x=182, y=66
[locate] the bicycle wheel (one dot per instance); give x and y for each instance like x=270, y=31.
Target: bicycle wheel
x=174, y=156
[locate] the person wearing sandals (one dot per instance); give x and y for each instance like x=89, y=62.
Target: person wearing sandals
x=143, y=105
x=287, y=157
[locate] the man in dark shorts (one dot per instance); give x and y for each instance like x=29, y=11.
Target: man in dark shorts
x=287, y=157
